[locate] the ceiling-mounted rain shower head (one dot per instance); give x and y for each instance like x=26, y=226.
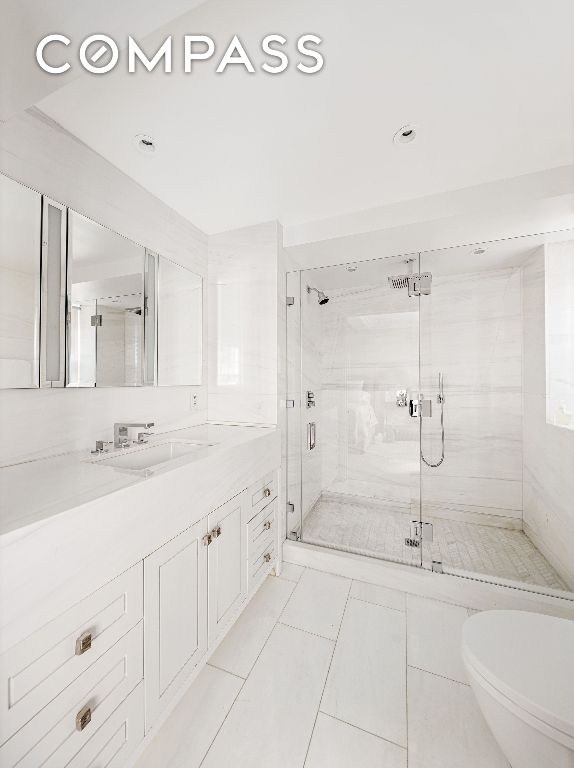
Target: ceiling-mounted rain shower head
x=323, y=299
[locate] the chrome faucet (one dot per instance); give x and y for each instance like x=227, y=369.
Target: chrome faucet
x=121, y=432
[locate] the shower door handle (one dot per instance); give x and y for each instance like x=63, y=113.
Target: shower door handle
x=420, y=407
x=311, y=430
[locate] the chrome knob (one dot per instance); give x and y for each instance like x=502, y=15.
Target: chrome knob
x=267, y=557
x=83, y=643
x=83, y=718
x=267, y=492
x=267, y=525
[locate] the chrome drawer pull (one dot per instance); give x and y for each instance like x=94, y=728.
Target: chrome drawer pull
x=83, y=643
x=83, y=718
x=216, y=532
x=267, y=557
x=267, y=492
x=267, y=525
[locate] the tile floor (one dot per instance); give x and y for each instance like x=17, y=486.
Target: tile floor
x=324, y=672
x=367, y=529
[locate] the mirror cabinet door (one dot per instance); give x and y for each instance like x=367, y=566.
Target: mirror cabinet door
x=180, y=327
x=20, y=222
x=105, y=307
x=52, y=326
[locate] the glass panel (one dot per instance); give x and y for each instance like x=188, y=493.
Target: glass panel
x=359, y=446
x=150, y=317
x=105, y=272
x=497, y=327
x=20, y=211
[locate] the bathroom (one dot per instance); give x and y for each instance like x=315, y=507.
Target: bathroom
x=287, y=386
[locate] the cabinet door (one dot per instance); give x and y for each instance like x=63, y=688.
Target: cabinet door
x=226, y=555
x=175, y=611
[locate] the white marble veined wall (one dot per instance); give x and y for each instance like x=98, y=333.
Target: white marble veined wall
x=369, y=352
x=548, y=448
x=471, y=331
x=242, y=335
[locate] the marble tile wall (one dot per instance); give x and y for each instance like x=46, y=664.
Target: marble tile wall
x=42, y=155
x=242, y=324
x=548, y=448
x=471, y=331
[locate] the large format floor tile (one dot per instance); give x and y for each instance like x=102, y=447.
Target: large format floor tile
x=272, y=719
x=240, y=649
x=291, y=572
x=318, y=603
x=434, y=637
x=446, y=727
x=372, y=593
x=338, y=745
x=185, y=737
x=367, y=681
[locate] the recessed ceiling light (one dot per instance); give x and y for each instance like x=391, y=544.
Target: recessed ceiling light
x=405, y=135
x=145, y=143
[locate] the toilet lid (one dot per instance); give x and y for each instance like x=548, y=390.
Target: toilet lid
x=529, y=658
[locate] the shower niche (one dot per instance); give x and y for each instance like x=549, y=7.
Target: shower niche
x=442, y=419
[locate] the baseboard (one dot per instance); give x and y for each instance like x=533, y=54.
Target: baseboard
x=456, y=589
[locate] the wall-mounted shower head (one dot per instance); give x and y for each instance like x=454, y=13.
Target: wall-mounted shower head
x=323, y=299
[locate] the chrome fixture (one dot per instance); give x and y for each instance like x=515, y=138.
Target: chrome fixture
x=101, y=446
x=311, y=399
x=418, y=283
x=402, y=401
x=121, y=432
x=440, y=400
x=323, y=299
x=311, y=431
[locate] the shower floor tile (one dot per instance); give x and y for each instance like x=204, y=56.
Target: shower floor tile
x=367, y=529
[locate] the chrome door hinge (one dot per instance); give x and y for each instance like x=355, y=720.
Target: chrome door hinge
x=96, y=320
x=421, y=530
x=290, y=301
x=290, y=507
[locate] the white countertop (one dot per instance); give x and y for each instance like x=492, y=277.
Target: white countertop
x=33, y=491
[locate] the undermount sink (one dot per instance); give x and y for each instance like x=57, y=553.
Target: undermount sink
x=149, y=457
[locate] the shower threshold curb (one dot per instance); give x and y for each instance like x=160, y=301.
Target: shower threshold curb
x=456, y=589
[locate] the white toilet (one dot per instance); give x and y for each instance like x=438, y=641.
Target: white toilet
x=521, y=668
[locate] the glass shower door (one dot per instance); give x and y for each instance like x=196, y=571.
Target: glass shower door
x=353, y=430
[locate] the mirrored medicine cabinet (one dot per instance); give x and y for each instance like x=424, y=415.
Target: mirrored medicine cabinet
x=83, y=306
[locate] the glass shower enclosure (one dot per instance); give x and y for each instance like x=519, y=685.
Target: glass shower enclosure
x=411, y=393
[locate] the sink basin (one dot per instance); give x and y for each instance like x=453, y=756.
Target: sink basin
x=150, y=457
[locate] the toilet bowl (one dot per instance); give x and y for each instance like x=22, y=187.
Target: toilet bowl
x=521, y=669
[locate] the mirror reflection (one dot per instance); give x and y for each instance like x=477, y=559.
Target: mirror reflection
x=105, y=306
x=20, y=212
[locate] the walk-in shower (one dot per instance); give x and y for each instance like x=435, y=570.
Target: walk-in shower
x=442, y=416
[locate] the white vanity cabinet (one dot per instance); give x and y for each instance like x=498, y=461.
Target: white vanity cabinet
x=226, y=557
x=175, y=609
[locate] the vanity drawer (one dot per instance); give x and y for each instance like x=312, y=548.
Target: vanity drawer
x=261, y=530
x=36, y=670
x=261, y=565
x=83, y=720
x=262, y=492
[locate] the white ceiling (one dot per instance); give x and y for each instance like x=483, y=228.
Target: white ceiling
x=25, y=22
x=489, y=84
